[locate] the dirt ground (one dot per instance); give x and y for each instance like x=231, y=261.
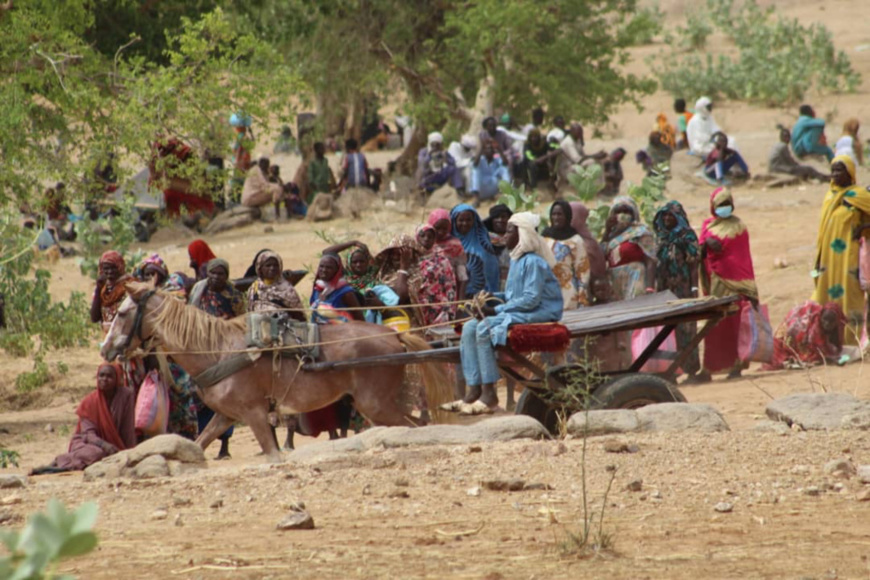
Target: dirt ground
x=669, y=529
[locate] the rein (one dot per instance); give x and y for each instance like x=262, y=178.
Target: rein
x=137, y=322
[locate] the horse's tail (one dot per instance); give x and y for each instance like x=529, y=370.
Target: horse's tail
x=439, y=387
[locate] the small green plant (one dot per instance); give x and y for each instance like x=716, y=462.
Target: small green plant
x=48, y=538
x=579, y=380
x=694, y=35
x=326, y=237
x=62, y=367
x=30, y=381
x=648, y=194
x=516, y=198
x=8, y=457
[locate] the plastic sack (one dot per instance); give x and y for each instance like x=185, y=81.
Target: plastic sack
x=662, y=359
x=152, y=406
x=864, y=265
x=755, y=338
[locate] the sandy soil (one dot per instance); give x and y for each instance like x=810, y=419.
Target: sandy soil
x=667, y=530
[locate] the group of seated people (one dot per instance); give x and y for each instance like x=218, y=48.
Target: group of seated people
x=500, y=153
x=698, y=132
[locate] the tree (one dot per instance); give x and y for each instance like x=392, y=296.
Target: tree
x=65, y=103
x=455, y=59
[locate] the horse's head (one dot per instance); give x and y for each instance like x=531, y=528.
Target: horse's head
x=126, y=332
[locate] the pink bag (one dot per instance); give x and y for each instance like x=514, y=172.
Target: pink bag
x=864, y=265
x=662, y=359
x=152, y=406
x=755, y=338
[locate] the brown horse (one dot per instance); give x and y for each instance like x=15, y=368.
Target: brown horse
x=198, y=341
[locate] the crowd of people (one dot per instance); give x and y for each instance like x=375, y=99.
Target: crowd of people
x=533, y=271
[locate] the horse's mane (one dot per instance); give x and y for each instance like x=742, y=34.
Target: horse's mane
x=194, y=329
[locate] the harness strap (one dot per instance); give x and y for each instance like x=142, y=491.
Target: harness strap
x=225, y=368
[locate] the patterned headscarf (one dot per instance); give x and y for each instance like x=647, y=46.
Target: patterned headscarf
x=115, y=258
x=217, y=263
x=483, y=270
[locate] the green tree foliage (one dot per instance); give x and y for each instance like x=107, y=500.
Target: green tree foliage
x=48, y=538
x=66, y=103
x=565, y=55
x=116, y=21
x=780, y=59
x=30, y=309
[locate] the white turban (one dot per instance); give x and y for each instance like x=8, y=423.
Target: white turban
x=435, y=137
x=702, y=105
x=468, y=141
x=527, y=223
x=557, y=134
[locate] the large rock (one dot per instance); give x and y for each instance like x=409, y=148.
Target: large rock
x=604, y=422
x=495, y=429
x=159, y=456
x=696, y=417
x=821, y=411
x=170, y=447
x=150, y=467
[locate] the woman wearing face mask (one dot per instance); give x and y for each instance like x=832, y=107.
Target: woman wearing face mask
x=629, y=248
x=726, y=270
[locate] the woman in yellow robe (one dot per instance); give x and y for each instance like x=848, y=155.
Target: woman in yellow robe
x=845, y=215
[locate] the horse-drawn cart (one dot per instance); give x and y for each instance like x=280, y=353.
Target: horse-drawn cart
x=605, y=388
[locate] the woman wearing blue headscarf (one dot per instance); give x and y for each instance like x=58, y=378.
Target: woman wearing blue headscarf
x=483, y=270
x=678, y=255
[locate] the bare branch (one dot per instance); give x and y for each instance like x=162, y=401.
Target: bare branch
x=118, y=52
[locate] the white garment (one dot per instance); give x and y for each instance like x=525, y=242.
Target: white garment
x=701, y=129
x=845, y=146
x=460, y=154
x=530, y=241
x=463, y=158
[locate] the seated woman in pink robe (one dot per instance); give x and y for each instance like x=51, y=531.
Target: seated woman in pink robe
x=106, y=423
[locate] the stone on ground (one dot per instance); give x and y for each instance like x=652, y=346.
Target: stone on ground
x=300, y=520
x=12, y=481
x=696, y=417
x=164, y=455
x=504, y=428
x=821, y=411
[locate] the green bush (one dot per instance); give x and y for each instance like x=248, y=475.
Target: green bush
x=29, y=307
x=30, y=381
x=46, y=540
x=779, y=60
x=8, y=457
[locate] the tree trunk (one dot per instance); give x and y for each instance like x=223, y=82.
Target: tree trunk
x=406, y=164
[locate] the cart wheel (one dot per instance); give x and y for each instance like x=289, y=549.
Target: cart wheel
x=534, y=406
x=634, y=391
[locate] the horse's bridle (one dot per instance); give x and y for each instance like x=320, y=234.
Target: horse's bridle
x=137, y=322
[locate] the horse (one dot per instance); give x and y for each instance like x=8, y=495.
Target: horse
x=198, y=341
